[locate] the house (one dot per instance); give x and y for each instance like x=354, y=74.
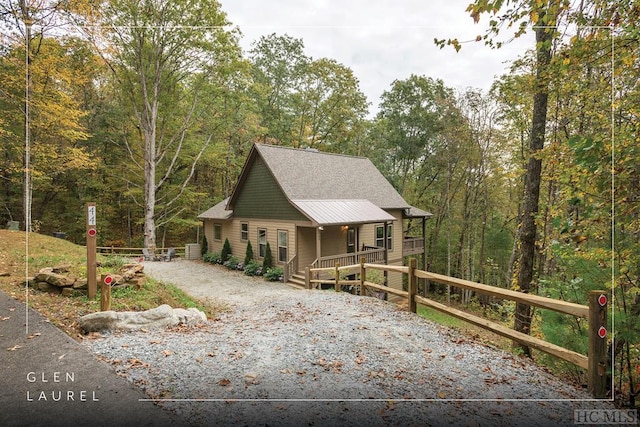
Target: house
x=314, y=209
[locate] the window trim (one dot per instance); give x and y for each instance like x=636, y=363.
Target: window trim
x=244, y=231
x=262, y=247
x=286, y=247
x=217, y=226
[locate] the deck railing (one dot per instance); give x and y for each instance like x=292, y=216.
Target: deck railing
x=412, y=245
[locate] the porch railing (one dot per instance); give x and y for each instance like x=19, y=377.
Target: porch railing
x=290, y=268
x=371, y=255
x=413, y=245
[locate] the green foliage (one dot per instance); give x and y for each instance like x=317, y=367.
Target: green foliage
x=248, y=257
x=267, y=262
x=213, y=257
x=253, y=269
x=205, y=245
x=226, y=250
x=231, y=263
x=114, y=262
x=273, y=274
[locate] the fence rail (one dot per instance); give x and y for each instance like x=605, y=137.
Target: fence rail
x=135, y=252
x=596, y=312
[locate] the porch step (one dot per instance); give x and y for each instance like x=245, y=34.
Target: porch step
x=297, y=281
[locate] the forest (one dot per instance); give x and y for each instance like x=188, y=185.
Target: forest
x=150, y=107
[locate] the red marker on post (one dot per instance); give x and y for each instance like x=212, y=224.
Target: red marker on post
x=602, y=300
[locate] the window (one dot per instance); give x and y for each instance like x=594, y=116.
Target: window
x=217, y=231
x=262, y=242
x=244, y=231
x=283, y=244
x=380, y=236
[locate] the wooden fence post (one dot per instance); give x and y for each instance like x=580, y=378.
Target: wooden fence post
x=307, y=277
x=597, y=353
x=363, y=277
x=105, y=292
x=413, y=285
x=337, y=277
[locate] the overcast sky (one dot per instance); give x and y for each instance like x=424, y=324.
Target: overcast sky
x=382, y=40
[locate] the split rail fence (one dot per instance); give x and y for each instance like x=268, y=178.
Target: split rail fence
x=596, y=311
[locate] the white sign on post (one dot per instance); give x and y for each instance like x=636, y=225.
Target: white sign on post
x=91, y=215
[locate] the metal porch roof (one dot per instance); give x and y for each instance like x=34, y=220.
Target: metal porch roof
x=342, y=211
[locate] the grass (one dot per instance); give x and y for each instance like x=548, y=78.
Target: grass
x=64, y=312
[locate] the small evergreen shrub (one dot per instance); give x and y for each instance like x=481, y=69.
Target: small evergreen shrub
x=267, y=263
x=274, y=274
x=205, y=245
x=248, y=257
x=226, y=251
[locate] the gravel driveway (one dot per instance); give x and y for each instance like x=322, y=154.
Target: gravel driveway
x=282, y=356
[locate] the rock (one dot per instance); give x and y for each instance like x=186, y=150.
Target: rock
x=80, y=284
x=46, y=287
x=54, y=279
x=61, y=269
x=156, y=318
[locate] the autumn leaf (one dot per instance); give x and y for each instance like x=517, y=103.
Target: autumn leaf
x=224, y=382
x=14, y=348
x=442, y=395
x=37, y=334
x=166, y=353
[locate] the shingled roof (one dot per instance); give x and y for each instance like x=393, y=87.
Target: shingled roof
x=312, y=175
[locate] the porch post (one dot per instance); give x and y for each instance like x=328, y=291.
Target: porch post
x=424, y=253
x=318, y=244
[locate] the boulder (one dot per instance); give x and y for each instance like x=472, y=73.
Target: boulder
x=54, y=279
x=156, y=318
x=80, y=284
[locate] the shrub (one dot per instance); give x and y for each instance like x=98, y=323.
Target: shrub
x=274, y=274
x=231, y=263
x=226, y=251
x=212, y=257
x=248, y=257
x=253, y=269
x=205, y=245
x=267, y=263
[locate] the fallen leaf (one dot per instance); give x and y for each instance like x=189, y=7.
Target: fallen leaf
x=37, y=334
x=211, y=354
x=199, y=359
x=224, y=382
x=4, y=318
x=442, y=394
x=166, y=353
x=155, y=342
x=14, y=348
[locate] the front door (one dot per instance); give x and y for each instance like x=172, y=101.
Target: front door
x=352, y=240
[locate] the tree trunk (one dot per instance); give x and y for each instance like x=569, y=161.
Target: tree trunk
x=149, y=124
x=528, y=228
x=24, y=9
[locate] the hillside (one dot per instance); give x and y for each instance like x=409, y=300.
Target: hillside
x=45, y=251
